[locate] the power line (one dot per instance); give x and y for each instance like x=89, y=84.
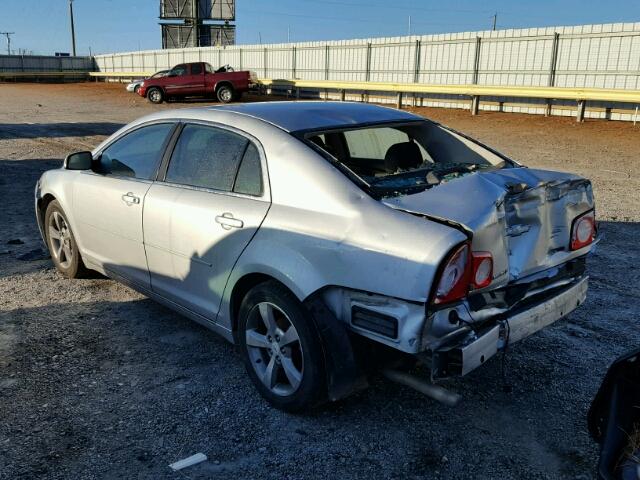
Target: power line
x=8, y=35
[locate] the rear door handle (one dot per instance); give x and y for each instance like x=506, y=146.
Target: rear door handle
x=130, y=199
x=227, y=221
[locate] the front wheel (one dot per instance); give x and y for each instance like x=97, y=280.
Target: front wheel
x=225, y=94
x=281, y=349
x=155, y=95
x=61, y=242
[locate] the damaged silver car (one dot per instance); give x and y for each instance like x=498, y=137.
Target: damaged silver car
x=322, y=237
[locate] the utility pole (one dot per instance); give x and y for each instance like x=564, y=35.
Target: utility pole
x=495, y=19
x=409, y=25
x=8, y=34
x=73, y=30
x=288, y=34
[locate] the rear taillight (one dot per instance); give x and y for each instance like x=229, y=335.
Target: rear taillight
x=481, y=269
x=583, y=230
x=454, y=277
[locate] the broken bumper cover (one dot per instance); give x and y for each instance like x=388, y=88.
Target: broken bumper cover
x=474, y=349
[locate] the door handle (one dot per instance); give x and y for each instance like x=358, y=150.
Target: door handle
x=130, y=199
x=227, y=221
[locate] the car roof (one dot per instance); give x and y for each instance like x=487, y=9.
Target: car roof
x=316, y=115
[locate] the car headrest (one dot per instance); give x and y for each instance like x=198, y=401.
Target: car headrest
x=402, y=156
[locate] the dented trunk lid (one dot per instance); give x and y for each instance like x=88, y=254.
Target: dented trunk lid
x=521, y=216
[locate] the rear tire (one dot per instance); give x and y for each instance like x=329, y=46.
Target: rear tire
x=136, y=88
x=155, y=95
x=281, y=348
x=62, y=243
x=225, y=94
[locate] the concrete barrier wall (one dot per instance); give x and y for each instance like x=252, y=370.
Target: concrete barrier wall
x=41, y=63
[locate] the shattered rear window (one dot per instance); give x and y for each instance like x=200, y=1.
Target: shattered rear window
x=401, y=159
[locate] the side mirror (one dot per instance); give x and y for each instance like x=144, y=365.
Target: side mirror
x=79, y=161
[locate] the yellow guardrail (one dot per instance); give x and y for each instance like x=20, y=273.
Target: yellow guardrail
x=561, y=93
x=121, y=74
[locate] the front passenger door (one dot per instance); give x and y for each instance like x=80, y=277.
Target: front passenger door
x=108, y=202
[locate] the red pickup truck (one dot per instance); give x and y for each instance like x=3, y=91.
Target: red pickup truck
x=197, y=79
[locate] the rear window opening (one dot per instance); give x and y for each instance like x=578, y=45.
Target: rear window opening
x=400, y=159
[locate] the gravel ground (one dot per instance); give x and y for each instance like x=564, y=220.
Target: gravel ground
x=96, y=381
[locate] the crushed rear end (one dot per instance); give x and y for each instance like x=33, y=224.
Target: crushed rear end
x=531, y=230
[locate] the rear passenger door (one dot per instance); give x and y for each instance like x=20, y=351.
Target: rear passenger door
x=197, y=221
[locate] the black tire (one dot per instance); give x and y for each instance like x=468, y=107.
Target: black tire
x=136, y=88
x=155, y=95
x=310, y=390
x=63, y=249
x=225, y=94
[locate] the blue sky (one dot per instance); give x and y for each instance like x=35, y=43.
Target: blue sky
x=124, y=25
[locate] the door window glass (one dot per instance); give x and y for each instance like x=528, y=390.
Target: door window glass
x=206, y=157
x=196, y=69
x=137, y=153
x=249, y=178
x=178, y=71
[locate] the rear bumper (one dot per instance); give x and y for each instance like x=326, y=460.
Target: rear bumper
x=475, y=349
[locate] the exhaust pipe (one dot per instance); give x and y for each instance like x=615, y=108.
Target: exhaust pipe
x=439, y=394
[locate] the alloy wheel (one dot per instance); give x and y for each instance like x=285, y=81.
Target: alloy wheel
x=60, y=238
x=274, y=348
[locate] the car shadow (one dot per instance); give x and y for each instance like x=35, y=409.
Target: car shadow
x=56, y=130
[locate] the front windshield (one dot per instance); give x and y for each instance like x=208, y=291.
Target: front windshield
x=399, y=159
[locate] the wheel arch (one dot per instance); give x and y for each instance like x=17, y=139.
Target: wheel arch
x=223, y=83
x=240, y=289
x=42, y=205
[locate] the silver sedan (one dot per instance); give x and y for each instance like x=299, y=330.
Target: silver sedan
x=135, y=85
x=325, y=239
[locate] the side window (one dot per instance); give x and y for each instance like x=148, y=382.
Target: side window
x=178, y=71
x=249, y=178
x=196, y=69
x=137, y=153
x=206, y=157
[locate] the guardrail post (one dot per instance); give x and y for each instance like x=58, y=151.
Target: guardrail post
x=342, y=95
x=580, y=113
x=552, y=70
x=399, y=101
x=475, y=105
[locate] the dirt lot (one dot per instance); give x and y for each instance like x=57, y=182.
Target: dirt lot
x=97, y=381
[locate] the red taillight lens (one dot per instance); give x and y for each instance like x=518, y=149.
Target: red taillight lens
x=481, y=269
x=454, y=279
x=583, y=231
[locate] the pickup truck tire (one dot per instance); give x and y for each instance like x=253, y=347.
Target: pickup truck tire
x=281, y=348
x=61, y=243
x=155, y=95
x=225, y=93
